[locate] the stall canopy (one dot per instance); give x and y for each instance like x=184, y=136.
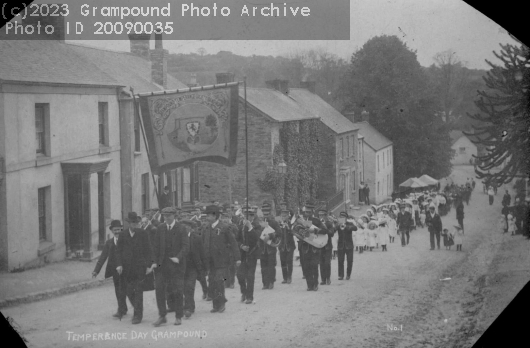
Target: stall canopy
x=413, y=183
x=428, y=180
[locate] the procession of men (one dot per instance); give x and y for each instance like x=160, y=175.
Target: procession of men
x=169, y=250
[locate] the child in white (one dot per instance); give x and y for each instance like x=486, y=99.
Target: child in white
x=383, y=232
x=360, y=241
x=423, y=216
x=511, y=224
x=372, y=234
x=458, y=237
x=392, y=227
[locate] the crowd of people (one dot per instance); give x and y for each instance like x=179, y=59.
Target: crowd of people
x=169, y=250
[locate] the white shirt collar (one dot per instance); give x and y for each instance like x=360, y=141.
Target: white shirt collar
x=115, y=241
x=131, y=232
x=172, y=224
x=215, y=223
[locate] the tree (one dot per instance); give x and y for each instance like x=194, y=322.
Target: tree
x=386, y=79
x=451, y=76
x=504, y=115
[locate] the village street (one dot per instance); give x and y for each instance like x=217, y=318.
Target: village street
x=402, y=289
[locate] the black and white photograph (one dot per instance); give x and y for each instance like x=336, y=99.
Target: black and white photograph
x=234, y=173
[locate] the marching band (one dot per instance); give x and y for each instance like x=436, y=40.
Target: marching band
x=223, y=243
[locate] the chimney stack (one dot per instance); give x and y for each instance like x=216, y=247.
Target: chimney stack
x=350, y=115
x=159, y=62
x=224, y=78
x=140, y=44
x=57, y=22
x=309, y=85
x=280, y=85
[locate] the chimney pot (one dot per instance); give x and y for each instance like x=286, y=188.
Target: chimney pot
x=309, y=85
x=224, y=77
x=281, y=86
x=140, y=44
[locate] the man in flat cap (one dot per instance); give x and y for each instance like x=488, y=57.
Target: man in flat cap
x=247, y=239
x=286, y=246
x=218, y=243
x=345, y=244
x=268, y=252
x=134, y=260
x=170, y=250
x=226, y=218
x=327, y=251
x=311, y=253
x=434, y=224
x=404, y=224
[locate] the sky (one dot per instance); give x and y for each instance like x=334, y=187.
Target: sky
x=426, y=26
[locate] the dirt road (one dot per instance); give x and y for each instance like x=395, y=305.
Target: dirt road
x=394, y=299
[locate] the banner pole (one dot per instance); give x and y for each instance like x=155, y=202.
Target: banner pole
x=137, y=114
x=246, y=144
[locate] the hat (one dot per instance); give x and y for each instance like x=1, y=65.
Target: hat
x=133, y=217
x=212, y=209
x=285, y=211
x=373, y=224
x=309, y=206
x=266, y=207
x=248, y=210
x=169, y=210
x=343, y=214
x=115, y=223
x=282, y=203
x=385, y=209
x=364, y=216
x=225, y=215
x=323, y=210
x=432, y=206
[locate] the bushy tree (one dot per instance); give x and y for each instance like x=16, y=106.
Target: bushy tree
x=386, y=80
x=504, y=116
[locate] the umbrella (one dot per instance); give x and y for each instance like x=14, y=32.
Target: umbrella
x=428, y=180
x=413, y=183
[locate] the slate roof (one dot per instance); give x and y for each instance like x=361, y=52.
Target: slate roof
x=312, y=103
x=372, y=137
x=50, y=61
x=275, y=104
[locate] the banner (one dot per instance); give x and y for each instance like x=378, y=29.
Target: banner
x=192, y=125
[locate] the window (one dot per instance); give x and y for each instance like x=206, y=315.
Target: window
x=342, y=148
x=462, y=150
x=352, y=145
x=42, y=129
x=106, y=197
x=378, y=163
x=44, y=213
x=103, y=123
x=136, y=134
x=186, y=185
x=348, y=146
x=174, y=187
x=145, y=191
x=383, y=160
x=388, y=182
x=196, y=181
x=388, y=157
x=378, y=187
x=353, y=180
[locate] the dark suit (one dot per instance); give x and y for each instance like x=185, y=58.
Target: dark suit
x=169, y=275
x=134, y=254
x=286, y=248
x=312, y=257
x=345, y=248
x=109, y=254
x=404, y=224
x=230, y=280
x=434, y=224
x=194, y=268
x=326, y=252
x=268, y=259
x=247, y=270
x=219, y=243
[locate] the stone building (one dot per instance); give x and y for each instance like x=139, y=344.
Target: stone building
x=73, y=158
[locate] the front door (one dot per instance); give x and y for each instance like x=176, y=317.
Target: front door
x=74, y=214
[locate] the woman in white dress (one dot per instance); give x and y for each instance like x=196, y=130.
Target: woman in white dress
x=360, y=241
x=392, y=227
x=383, y=235
x=372, y=234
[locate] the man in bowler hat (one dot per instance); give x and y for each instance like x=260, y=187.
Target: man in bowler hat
x=134, y=260
x=109, y=254
x=170, y=250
